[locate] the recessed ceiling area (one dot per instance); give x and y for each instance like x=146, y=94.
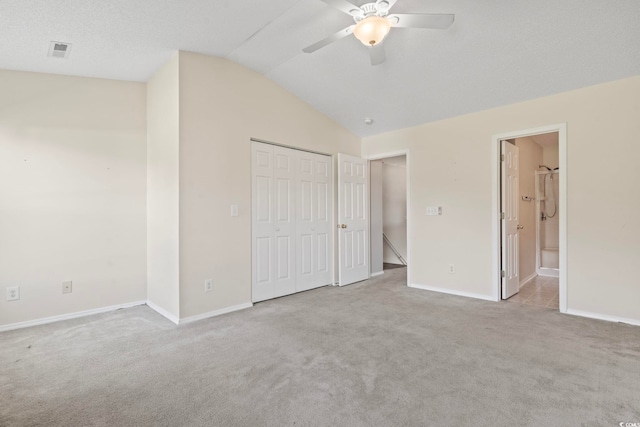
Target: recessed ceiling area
x=496, y=53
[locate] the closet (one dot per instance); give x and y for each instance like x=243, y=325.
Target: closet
x=292, y=208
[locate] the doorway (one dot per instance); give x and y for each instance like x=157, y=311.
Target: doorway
x=389, y=206
x=530, y=203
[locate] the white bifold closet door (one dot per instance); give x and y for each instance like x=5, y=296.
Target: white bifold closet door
x=292, y=241
x=313, y=225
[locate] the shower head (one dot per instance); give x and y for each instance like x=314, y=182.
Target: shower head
x=544, y=166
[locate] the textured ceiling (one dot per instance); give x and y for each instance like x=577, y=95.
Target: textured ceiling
x=496, y=53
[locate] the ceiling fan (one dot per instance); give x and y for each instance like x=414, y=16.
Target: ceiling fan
x=373, y=22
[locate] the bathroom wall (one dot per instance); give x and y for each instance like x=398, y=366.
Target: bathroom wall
x=550, y=156
x=530, y=157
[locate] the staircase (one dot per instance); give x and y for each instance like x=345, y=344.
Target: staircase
x=393, y=248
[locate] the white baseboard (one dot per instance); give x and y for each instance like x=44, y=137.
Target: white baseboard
x=452, y=292
x=606, y=317
x=528, y=279
x=68, y=316
x=162, y=312
x=215, y=313
x=379, y=273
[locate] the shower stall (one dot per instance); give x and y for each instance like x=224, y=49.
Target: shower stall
x=548, y=224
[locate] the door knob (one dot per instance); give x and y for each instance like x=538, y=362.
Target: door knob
x=343, y=225
x=520, y=227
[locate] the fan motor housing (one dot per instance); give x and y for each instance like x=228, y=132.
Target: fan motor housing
x=369, y=9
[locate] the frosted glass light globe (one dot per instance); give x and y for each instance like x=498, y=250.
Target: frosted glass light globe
x=372, y=30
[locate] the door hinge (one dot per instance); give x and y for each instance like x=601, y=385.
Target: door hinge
x=501, y=215
x=503, y=273
x=502, y=157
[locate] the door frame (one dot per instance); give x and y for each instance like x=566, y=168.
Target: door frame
x=378, y=156
x=561, y=128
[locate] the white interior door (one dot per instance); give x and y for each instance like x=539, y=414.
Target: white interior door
x=314, y=208
x=510, y=216
x=273, y=232
x=353, y=220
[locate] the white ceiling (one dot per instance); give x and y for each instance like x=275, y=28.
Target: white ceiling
x=496, y=53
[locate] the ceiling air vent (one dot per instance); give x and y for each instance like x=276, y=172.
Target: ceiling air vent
x=59, y=49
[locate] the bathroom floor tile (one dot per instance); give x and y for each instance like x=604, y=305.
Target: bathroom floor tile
x=540, y=291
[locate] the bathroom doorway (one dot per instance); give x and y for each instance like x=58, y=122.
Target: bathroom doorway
x=539, y=241
x=531, y=196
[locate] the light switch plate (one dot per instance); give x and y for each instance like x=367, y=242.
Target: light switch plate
x=434, y=210
x=234, y=210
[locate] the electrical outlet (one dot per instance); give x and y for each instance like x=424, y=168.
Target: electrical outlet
x=13, y=293
x=208, y=285
x=67, y=287
x=452, y=269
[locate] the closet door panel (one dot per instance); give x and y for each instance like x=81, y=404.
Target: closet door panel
x=314, y=220
x=262, y=246
x=292, y=216
x=323, y=220
x=283, y=201
x=305, y=219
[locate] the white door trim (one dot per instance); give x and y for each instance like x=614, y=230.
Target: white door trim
x=561, y=128
x=396, y=153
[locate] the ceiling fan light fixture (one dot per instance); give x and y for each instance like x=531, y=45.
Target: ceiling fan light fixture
x=372, y=30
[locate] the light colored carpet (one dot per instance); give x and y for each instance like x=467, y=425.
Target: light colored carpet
x=371, y=354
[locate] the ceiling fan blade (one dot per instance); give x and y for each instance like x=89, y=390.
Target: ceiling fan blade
x=332, y=38
x=346, y=7
x=378, y=55
x=436, y=21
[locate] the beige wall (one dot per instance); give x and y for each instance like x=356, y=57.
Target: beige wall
x=162, y=188
x=72, y=193
x=73, y=177
x=530, y=155
x=451, y=167
x=223, y=105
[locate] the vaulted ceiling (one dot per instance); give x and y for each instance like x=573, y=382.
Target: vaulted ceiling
x=497, y=52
